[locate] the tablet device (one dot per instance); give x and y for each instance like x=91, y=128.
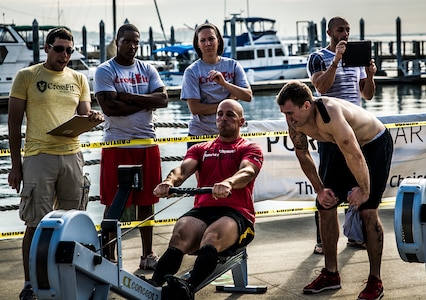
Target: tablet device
x=357, y=54
x=74, y=126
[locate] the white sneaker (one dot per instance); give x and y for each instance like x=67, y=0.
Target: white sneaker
x=149, y=263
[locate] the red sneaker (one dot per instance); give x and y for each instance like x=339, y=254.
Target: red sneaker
x=325, y=281
x=373, y=290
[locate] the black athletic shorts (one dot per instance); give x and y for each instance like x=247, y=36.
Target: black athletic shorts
x=336, y=175
x=211, y=214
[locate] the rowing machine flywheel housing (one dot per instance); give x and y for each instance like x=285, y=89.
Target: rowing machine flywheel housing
x=59, y=226
x=410, y=220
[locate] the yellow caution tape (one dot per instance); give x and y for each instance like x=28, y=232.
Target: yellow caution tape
x=4, y=152
x=171, y=221
x=185, y=139
x=405, y=124
x=165, y=140
x=179, y=139
x=11, y=234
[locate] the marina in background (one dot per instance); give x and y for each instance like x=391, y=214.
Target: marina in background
x=22, y=46
x=253, y=42
x=397, y=59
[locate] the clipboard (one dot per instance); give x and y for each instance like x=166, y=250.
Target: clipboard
x=74, y=126
x=357, y=54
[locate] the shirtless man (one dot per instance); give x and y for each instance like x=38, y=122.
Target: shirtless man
x=357, y=174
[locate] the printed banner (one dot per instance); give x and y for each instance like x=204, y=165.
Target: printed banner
x=282, y=179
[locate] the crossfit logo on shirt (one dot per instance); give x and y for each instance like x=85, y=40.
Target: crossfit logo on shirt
x=228, y=76
x=138, y=78
x=41, y=85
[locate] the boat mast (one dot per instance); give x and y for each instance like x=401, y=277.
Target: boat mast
x=161, y=23
x=248, y=12
x=114, y=19
x=59, y=14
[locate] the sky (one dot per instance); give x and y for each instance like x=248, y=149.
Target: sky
x=379, y=15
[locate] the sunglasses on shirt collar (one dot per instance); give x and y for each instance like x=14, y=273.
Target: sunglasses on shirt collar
x=60, y=49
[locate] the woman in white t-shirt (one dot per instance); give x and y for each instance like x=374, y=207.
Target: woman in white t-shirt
x=211, y=79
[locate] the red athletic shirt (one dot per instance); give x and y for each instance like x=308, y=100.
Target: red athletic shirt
x=217, y=161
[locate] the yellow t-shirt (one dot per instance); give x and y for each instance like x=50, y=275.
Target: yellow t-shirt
x=52, y=98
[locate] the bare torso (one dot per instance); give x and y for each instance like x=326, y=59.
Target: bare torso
x=344, y=117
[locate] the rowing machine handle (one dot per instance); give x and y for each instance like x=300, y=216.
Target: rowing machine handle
x=190, y=191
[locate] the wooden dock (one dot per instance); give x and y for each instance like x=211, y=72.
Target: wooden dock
x=409, y=57
x=276, y=85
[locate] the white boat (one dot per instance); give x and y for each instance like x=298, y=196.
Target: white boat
x=257, y=48
x=16, y=52
x=260, y=51
x=175, y=59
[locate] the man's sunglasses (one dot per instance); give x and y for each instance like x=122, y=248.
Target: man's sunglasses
x=61, y=49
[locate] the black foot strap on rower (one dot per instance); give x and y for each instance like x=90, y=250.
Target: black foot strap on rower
x=177, y=288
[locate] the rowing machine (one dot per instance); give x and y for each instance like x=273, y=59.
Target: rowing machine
x=69, y=259
x=410, y=220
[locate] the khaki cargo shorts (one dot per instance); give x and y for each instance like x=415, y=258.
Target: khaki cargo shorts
x=51, y=182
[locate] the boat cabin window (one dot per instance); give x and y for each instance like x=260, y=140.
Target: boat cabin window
x=77, y=65
x=270, y=53
x=279, y=52
x=28, y=37
x=6, y=36
x=3, y=53
x=246, y=54
x=261, y=53
x=26, y=32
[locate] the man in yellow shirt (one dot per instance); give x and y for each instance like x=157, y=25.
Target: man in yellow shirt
x=47, y=94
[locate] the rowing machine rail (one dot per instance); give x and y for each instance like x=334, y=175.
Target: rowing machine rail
x=235, y=261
